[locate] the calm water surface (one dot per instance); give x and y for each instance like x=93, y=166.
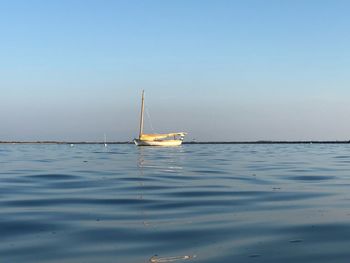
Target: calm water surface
x=222, y=203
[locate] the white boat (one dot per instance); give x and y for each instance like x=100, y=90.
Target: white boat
x=167, y=139
x=159, y=142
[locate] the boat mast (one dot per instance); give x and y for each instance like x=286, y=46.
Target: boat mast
x=142, y=109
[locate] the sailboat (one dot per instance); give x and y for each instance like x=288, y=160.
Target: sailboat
x=167, y=139
x=105, y=141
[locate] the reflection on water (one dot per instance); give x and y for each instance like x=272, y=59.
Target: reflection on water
x=222, y=203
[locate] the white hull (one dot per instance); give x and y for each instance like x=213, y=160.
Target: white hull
x=166, y=143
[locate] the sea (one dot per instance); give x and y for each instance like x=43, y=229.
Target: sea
x=204, y=203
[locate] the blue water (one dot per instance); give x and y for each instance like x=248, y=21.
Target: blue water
x=218, y=203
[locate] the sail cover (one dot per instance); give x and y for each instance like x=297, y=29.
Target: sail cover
x=154, y=137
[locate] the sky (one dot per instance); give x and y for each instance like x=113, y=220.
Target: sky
x=219, y=70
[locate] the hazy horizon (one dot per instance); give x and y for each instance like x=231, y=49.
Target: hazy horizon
x=219, y=70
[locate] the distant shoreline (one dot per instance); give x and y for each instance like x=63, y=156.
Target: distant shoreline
x=203, y=142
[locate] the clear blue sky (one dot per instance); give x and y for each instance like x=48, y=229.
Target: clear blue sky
x=221, y=70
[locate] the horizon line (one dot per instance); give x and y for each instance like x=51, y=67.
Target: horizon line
x=185, y=142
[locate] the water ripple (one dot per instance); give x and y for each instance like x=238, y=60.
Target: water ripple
x=222, y=203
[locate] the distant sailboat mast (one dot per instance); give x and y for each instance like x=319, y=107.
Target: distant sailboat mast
x=105, y=140
x=142, y=110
